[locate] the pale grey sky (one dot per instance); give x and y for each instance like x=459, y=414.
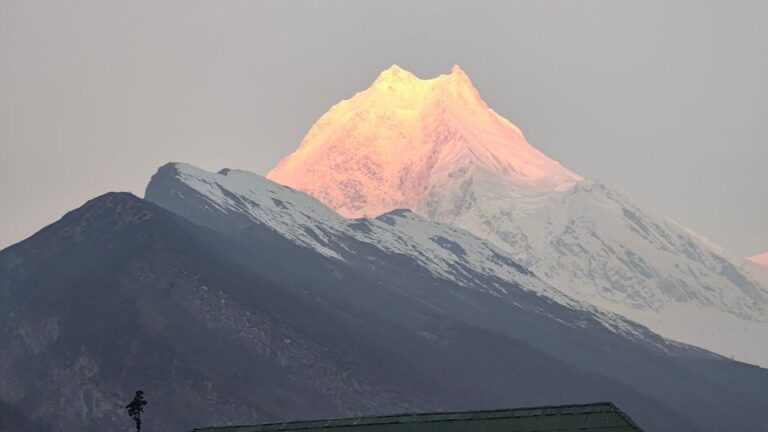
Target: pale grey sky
x=666, y=100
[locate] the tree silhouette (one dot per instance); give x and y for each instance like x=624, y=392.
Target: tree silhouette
x=136, y=407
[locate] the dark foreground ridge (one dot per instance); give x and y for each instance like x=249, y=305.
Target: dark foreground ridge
x=603, y=416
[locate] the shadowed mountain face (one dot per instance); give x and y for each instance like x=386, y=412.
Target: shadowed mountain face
x=245, y=326
x=14, y=420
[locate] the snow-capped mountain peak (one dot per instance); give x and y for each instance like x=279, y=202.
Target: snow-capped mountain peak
x=396, y=80
x=389, y=145
x=433, y=146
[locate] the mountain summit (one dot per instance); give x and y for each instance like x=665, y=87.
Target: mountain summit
x=394, y=143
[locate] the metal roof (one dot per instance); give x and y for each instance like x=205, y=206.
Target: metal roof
x=604, y=417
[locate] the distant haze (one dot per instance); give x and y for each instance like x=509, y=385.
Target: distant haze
x=665, y=100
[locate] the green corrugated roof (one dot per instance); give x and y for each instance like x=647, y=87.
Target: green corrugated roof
x=590, y=417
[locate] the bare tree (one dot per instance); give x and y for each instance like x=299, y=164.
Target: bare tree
x=136, y=407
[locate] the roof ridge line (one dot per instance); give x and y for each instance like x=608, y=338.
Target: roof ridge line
x=370, y=419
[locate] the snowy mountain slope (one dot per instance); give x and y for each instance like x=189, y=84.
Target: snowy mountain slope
x=598, y=246
x=440, y=151
x=445, y=251
x=606, y=250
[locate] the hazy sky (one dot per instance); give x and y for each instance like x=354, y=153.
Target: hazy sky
x=668, y=100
